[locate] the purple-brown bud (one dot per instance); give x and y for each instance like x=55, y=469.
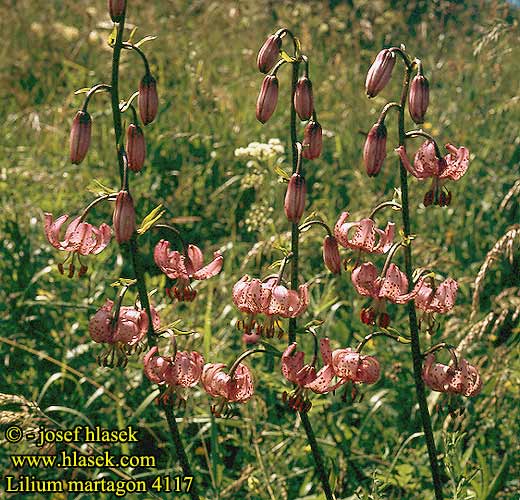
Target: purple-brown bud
x=374, y=152
x=80, y=136
x=124, y=217
x=331, y=254
x=267, y=99
x=312, y=140
x=116, y=8
x=419, y=98
x=303, y=100
x=148, y=101
x=135, y=147
x=295, y=198
x=380, y=72
x=269, y=53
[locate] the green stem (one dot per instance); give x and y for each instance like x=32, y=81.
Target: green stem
x=179, y=448
x=295, y=234
x=414, y=329
x=116, y=114
x=134, y=252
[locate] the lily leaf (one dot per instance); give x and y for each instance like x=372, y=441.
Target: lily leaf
x=150, y=220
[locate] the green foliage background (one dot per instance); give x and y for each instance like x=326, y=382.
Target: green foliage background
x=204, y=60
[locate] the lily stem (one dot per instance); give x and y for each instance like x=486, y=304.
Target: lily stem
x=295, y=234
x=412, y=317
x=134, y=251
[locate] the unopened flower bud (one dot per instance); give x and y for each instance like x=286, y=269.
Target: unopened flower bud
x=295, y=198
x=374, y=152
x=303, y=100
x=124, y=217
x=116, y=8
x=267, y=99
x=135, y=147
x=80, y=136
x=312, y=140
x=331, y=254
x=380, y=72
x=269, y=53
x=148, y=101
x=418, y=98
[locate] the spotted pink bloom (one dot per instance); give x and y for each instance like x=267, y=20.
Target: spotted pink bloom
x=348, y=364
x=190, y=265
x=252, y=295
x=363, y=235
x=464, y=380
x=288, y=303
x=293, y=368
x=130, y=328
x=184, y=370
x=345, y=364
x=185, y=267
x=80, y=237
x=441, y=300
x=236, y=389
x=426, y=163
x=393, y=286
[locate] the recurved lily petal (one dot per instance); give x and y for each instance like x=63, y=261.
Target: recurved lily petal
x=394, y=286
x=293, y=368
x=99, y=326
x=457, y=162
x=441, y=300
x=156, y=368
x=365, y=280
x=211, y=269
x=170, y=262
x=186, y=369
x=238, y=388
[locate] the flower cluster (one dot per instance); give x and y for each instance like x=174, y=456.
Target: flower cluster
x=270, y=298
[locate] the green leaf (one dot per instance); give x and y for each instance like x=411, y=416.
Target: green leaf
x=150, y=220
x=131, y=37
x=99, y=189
x=123, y=282
x=83, y=90
x=282, y=173
x=286, y=57
x=148, y=38
x=111, y=40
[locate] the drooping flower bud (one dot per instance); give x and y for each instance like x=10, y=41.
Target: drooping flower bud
x=380, y=72
x=135, y=147
x=80, y=136
x=303, y=100
x=418, y=98
x=312, y=140
x=269, y=53
x=374, y=152
x=148, y=100
x=124, y=217
x=267, y=99
x=116, y=9
x=295, y=198
x=331, y=254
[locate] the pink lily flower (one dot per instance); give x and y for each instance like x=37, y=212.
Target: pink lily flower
x=236, y=389
x=393, y=286
x=428, y=165
x=80, y=237
x=185, y=370
x=464, y=380
x=254, y=296
x=293, y=368
x=130, y=328
x=185, y=267
x=366, y=237
x=441, y=300
x=347, y=365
